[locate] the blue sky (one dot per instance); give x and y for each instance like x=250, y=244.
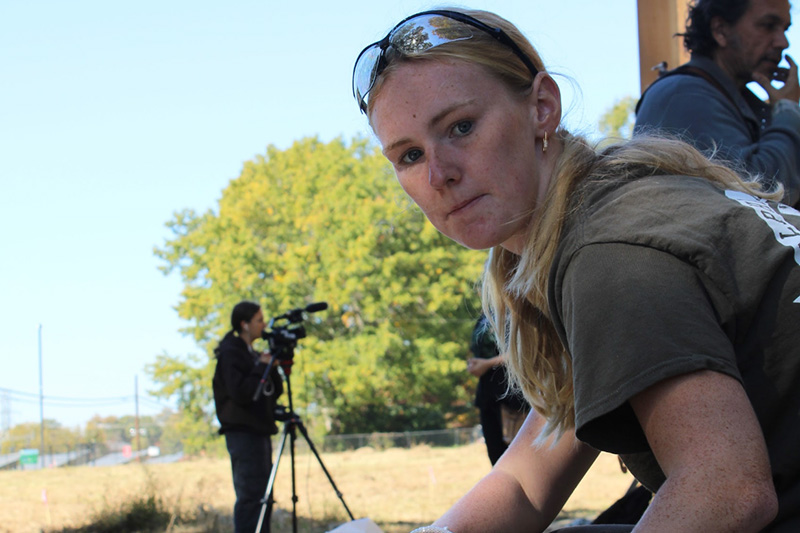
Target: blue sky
x=114, y=115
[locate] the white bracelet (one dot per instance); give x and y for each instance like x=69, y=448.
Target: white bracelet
x=432, y=529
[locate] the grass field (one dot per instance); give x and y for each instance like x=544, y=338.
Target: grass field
x=397, y=488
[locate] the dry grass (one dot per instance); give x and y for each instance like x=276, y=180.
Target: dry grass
x=397, y=488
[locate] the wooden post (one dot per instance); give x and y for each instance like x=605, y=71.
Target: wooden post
x=659, y=21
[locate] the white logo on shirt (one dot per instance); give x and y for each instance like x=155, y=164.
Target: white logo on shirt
x=784, y=232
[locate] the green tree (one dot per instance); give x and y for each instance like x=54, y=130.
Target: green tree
x=188, y=379
x=111, y=431
x=94, y=434
x=22, y=436
x=57, y=439
x=174, y=435
x=617, y=122
x=328, y=222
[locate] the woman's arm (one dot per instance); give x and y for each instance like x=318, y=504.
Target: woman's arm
x=527, y=487
x=705, y=436
x=478, y=367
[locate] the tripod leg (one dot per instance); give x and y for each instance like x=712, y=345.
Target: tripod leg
x=292, y=438
x=319, y=459
x=265, y=501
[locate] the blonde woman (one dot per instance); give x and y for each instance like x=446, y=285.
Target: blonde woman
x=650, y=297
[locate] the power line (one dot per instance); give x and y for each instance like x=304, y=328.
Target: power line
x=64, y=401
x=33, y=395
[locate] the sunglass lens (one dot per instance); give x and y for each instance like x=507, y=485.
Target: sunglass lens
x=422, y=33
x=365, y=72
x=411, y=37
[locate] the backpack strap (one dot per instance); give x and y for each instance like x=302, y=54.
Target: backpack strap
x=691, y=70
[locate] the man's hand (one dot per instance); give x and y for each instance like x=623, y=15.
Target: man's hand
x=790, y=89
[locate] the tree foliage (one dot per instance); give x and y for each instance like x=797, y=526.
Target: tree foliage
x=57, y=438
x=189, y=381
x=328, y=222
x=110, y=432
x=618, y=121
x=101, y=435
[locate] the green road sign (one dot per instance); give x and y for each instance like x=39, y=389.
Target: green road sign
x=29, y=456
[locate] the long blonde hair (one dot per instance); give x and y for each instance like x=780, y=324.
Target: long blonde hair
x=515, y=286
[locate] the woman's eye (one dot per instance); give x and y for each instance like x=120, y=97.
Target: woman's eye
x=411, y=156
x=462, y=128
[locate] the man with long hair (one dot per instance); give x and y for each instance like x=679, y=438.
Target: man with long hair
x=707, y=102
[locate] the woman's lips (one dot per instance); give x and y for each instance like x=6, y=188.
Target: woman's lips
x=464, y=205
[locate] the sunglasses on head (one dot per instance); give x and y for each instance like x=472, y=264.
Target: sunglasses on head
x=416, y=34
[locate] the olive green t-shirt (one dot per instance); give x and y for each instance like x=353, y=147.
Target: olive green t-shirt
x=668, y=275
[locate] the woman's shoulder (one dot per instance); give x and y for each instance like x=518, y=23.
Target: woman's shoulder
x=731, y=236
x=655, y=199
x=672, y=201
x=686, y=216
x=230, y=342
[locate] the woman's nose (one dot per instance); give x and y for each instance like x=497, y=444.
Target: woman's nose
x=441, y=171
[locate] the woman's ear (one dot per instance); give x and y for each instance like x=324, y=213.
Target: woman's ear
x=546, y=104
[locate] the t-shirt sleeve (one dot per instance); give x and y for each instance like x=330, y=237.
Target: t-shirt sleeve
x=633, y=316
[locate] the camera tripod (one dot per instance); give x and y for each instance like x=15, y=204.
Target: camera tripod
x=291, y=422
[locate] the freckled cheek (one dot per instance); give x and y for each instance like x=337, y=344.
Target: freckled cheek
x=415, y=190
x=499, y=157
x=406, y=184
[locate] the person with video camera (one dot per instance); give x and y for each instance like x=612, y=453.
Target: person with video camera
x=246, y=423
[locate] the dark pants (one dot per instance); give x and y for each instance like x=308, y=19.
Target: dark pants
x=251, y=462
x=628, y=509
x=492, y=425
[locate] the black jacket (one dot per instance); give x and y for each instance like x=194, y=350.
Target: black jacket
x=493, y=385
x=236, y=379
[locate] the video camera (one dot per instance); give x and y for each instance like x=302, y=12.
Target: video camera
x=283, y=338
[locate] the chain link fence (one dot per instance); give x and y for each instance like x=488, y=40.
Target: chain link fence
x=330, y=443
x=382, y=441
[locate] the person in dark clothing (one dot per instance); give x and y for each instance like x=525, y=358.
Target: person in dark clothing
x=501, y=412
x=247, y=424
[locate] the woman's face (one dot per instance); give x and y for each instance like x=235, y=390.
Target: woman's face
x=253, y=327
x=463, y=148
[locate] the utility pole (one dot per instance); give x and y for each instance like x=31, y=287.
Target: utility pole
x=6, y=412
x=41, y=401
x=136, y=399
x=659, y=21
